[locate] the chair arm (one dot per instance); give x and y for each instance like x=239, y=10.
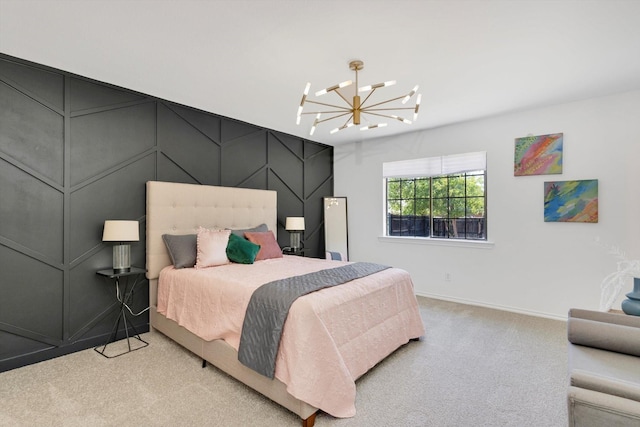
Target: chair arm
x=607, y=331
x=588, y=408
x=606, y=385
x=605, y=317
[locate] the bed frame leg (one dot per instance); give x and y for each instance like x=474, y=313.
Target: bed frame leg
x=204, y=363
x=309, y=421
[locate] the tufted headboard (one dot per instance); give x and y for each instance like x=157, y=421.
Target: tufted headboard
x=174, y=208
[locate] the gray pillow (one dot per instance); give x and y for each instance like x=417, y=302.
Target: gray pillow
x=260, y=229
x=182, y=249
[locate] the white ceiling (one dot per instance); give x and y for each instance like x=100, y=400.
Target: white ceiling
x=250, y=59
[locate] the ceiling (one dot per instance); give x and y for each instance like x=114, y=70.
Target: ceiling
x=250, y=59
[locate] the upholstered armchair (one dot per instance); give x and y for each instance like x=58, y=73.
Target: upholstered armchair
x=604, y=366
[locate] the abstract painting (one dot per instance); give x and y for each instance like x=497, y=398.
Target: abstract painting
x=538, y=155
x=571, y=201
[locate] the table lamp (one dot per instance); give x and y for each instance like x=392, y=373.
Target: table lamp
x=295, y=227
x=121, y=232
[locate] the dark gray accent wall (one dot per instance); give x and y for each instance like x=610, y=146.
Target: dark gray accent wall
x=75, y=152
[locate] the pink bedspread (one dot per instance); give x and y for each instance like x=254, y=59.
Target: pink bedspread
x=331, y=337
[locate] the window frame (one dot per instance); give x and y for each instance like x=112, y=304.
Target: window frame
x=416, y=170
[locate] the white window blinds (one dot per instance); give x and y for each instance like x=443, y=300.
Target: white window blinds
x=434, y=166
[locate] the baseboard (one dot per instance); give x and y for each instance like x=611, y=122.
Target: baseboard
x=493, y=306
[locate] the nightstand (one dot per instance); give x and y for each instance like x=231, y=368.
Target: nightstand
x=130, y=278
x=290, y=251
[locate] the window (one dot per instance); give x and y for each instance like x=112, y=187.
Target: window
x=442, y=197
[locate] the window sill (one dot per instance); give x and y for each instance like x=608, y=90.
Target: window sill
x=479, y=244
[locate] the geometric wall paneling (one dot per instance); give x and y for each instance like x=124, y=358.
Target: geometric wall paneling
x=233, y=129
x=102, y=140
x=86, y=95
x=295, y=145
x=46, y=86
x=288, y=165
x=13, y=345
x=314, y=207
x=289, y=204
x=243, y=157
x=314, y=242
x=31, y=214
x=32, y=293
x=258, y=180
x=318, y=169
x=206, y=123
x=31, y=134
x=89, y=294
x=312, y=149
x=118, y=195
x=188, y=147
x=53, y=203
x=314, y=213
x=169, y=171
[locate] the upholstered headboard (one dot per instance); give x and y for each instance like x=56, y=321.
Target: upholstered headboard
x=174, y=208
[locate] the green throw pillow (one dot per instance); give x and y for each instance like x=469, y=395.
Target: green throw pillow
x=241, y=250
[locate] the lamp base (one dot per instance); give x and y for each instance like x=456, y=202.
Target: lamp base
x=294, y=240
x=121, y=258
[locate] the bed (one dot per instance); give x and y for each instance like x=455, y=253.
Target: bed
x=325, y=345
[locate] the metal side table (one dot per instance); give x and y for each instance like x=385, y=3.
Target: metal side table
x=131, y=278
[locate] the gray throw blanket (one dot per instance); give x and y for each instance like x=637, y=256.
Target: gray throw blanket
x=269, y=307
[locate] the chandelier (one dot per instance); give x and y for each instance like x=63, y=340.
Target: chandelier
x=355, y=108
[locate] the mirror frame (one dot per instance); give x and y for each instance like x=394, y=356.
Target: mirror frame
x=331, y=233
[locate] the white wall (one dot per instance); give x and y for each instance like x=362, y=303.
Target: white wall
x=533, y=267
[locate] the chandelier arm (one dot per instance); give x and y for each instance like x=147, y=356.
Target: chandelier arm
x=344, y=111
x=332, y=117
x=346, y=125
x=365, y=100
x=329, y=105
x=383, y=115
x=368, y=109
x=345, y=99
x=347, y=122
x=383, y=102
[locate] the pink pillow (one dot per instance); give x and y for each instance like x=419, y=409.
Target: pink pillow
x=269, y=248
x=212, y=247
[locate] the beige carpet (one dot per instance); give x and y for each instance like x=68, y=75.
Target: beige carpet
x=474, y=367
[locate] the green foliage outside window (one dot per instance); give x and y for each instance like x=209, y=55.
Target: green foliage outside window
x=442, y=200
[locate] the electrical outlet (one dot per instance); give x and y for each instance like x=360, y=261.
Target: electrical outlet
x=447, y=277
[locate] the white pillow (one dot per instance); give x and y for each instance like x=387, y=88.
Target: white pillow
x=212, y=247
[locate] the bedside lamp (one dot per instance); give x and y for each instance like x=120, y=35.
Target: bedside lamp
x=295, y=227
x=121, y=232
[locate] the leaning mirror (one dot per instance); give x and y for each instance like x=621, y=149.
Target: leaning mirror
x=335, y=227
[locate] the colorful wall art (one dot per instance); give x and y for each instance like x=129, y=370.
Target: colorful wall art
x=538, y=155
x=571, y=201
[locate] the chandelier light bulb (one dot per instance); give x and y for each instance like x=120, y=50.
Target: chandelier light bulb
x=413, y=91
x=379, y=125
x=315, y=124
x=401, y=119
x=415, y=111
x=334, y=87
x=376, y=86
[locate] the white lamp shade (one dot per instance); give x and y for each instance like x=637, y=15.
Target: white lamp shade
x=120, y=231
x=295, y=223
